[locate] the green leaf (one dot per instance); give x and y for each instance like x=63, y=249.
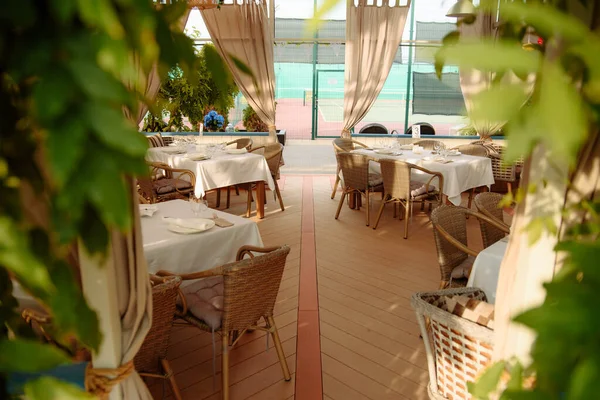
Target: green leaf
x=500, y=103
x=48, y=388
x=101, y=14
x=585, y=382
x=21, y=355
x=97, y=83
x=488, y=381
x=113, y=129
x=534, y=230
x=72, y=316
x=65, y=146
x=489, y=55
x=64, y=9
x=515, y=381
x=52, y=94
x=313, y=24
x=93, y=232
x=16, y=256
x=245, y=70
x=217, y=67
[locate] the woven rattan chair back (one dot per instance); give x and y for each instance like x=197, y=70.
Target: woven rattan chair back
x=145, y=184
x=154, y=348
x=273, y=154
x=242, y=143
x=250, y=288
x=453, y=220
x=346, y=145
x=487, y=204
x=472, y=150
x=503, y=172
x=396, y=178
x=355, y=170
x=427, y=144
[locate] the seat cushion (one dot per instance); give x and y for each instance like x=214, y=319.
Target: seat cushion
x=463, y=270
x=164, y=186
x=375, y=179
x=474, y=310
x=204, y=300
x=156, y=140
x=418, y=189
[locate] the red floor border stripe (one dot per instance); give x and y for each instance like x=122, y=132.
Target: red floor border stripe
x=309, y=381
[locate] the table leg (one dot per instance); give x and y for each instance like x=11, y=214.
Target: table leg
x=260, y=199
x=352, y=201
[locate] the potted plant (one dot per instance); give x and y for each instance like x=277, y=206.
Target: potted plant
x=213, y=121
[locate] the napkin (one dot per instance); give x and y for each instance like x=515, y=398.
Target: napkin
x=421, y=190
x=148, y=210
x=222, y=222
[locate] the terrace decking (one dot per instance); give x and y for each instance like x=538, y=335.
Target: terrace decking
x=361, y=340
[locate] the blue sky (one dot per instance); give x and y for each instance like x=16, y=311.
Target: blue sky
x=425, y=10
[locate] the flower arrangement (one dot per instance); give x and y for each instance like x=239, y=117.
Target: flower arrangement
x=213, y=120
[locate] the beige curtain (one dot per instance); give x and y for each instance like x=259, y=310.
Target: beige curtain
x=244, y=32
x=525, y=268
x=373, y=34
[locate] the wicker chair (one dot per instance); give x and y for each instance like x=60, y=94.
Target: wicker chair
x=357, y=180
x=457, y=349
x=241, y=143
x=450, y=235
x=341, y=145
x=503, y=172
x=427, y=144
x=374, y=128
x=165, y=183
x=487, y=204
x=399, y=189
x=273, y=153
x=151, y=359
x=249, y=286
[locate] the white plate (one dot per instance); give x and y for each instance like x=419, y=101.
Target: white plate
x=173, y=150
x=384, y=151
x=189, y=225
x=198, y=157
x=236, y=151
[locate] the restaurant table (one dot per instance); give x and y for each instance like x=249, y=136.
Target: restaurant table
x=486, y=269
x=462, y=173
x=220, y=171
x=185, y=253
x=180, y=253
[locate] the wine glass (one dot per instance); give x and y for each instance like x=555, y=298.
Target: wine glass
x=437, y=146
x=196, y=205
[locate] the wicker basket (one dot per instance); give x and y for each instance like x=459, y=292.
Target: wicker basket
x=460, y=349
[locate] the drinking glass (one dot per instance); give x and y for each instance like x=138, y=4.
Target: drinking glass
x=437, y=147
x=195, y=205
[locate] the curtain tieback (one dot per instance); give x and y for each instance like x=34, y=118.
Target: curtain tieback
x=100, y=381
x=346, y=131
x=271, y=127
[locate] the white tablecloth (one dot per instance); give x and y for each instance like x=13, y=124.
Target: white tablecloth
x=486, y=269
x=196, y=252
x=178, y=253
x=221, y=170
x=463, y=173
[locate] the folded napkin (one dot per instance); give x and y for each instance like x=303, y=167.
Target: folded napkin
x=222, y=223
x=198, y=224
x=148, y=210
x=406, y=147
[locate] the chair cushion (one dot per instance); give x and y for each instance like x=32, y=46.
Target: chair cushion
x=375, y=179
x=164, y=186
x=156, y=140
x=477, y=311
x=417, y=189
x=204, y=300
x=463, y=270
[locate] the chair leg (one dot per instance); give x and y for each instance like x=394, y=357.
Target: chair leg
x=381, y=212
x=225, y=366
x=335, y=185
x=367, y=195
x=407, y=218
x=228, y=196
x=218, y=197
x=249, y=202
x=237, y=190
x=337, y=214
x=171, y=376
x=279, y=348
x=279, y=196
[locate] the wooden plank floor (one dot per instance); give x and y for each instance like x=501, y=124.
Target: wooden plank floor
x=369, y=338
